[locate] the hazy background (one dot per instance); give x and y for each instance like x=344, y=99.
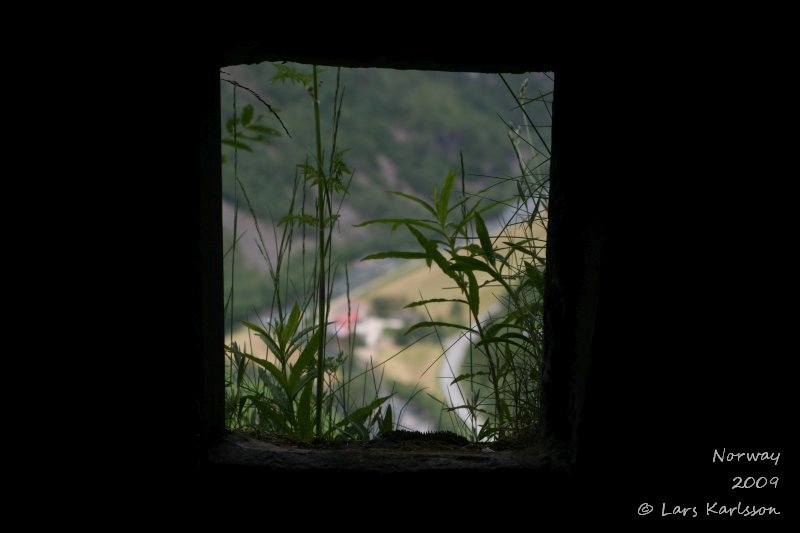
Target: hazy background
x=405, y=131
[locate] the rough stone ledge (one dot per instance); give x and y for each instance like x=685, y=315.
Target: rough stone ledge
x=237, y=449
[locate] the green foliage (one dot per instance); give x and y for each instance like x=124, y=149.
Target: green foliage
x=305, y=383
x=406, y=126
x=295, y=387
x=507, y=337
x=245, y=129
x=284, y=73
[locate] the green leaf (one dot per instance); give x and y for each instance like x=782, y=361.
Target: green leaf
x=237, y=144
x=386, y=423
x=435, y=300
x=488, y=206
x=241, y=369
x=265, y=129
x=305, y=379
x=247, y=114
x=305, y=220
x=470, y=408
x=467, y=264
x=398, y=222
x=279, y=397
x=395, y=255
x=444, y=198
x=534, y=276
x=361, y=430
x=286, y=73
x=272, y=369
x=420, y=201
x=493, y=329
x=283, y=403
x=363, y=412
x=305, y=360
x=288, y=331
x=518, y=248
x=307, y=170
x=474, y=294
x=503, y=341
x=256, y=138
x=462, y=377
x=255, y=327
x=301, y=336
x=473, y=249
x=305, y=423
x=265, y=410
x=267, y=338
x=487, y=431
x=462, y=201
x=431, y=251
x=357, y=417
x=229, y=125
x=427, y=324
x=483, y=236
x=240, y=407
x=503, y=408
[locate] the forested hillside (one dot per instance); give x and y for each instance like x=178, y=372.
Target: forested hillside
x=404, y=130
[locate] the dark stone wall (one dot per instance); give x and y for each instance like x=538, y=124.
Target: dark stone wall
x=671, y=293
x=692, y=328
x=208, y=356
x=580, y=202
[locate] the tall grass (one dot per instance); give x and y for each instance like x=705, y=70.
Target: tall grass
x=303, y=381
x=294, y=385
x=500, y=388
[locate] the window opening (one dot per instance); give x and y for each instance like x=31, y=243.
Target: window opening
x=440, y=179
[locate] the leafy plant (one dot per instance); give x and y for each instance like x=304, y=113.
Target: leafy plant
x=507, y=332
x=294, y=387
x=305, y=382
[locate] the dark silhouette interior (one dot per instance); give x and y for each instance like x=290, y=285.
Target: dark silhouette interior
x=669, y=286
